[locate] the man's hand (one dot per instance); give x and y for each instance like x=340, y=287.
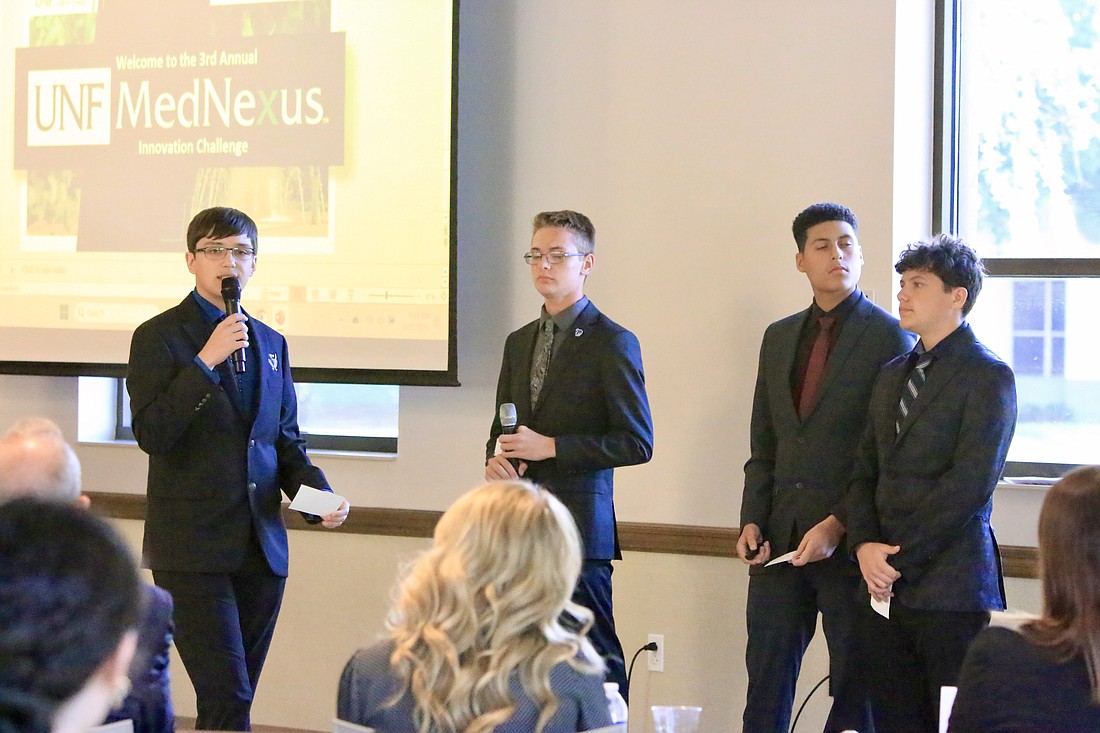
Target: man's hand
x=819, y=542
x=498, y=468
x=752, y=541
x=229, y=335
x=527, y=445
x=878, y=573
x=332, y=520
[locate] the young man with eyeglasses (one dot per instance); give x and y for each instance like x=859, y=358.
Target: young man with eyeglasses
x=223, y=448
x=576, y=380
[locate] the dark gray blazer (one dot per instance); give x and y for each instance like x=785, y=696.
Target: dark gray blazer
x=594, y=404
x=798, y=470
x=930, y=489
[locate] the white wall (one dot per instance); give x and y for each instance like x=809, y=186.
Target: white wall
x=691, y=132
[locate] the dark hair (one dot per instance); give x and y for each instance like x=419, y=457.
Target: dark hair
x=1069, y=562
x=69, y=590
x=574, y=221
x=951, y=260
x=816, y=214
x=219, y=222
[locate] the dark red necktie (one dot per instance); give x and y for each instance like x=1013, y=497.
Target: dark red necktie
x=819, y=354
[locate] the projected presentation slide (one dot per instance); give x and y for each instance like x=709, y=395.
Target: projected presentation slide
x=327, y=121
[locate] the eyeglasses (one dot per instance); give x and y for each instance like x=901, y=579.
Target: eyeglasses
x=242, y=254
x=554, y=258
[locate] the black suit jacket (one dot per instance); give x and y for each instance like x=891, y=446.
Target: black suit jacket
x=930, y=488
x=215, y=472
x=799, y=469
x=594, y=403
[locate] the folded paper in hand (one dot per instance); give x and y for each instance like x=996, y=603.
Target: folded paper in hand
x=782, y=558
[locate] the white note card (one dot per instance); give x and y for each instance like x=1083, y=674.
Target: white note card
x=782, y=558
x=315, y=501
x=882, y=608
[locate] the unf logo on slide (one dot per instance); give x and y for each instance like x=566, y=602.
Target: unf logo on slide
x=69, y=107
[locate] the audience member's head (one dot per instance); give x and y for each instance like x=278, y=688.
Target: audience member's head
x=1069, y=557
x=69, y=601
x=951, y=260
x=488, y=599
x=35, y=460
x=817, y=214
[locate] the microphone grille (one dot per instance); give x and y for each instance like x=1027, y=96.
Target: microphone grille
x=231, y=288
x=508, y=415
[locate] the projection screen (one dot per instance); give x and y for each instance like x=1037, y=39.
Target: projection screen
x=331, y=122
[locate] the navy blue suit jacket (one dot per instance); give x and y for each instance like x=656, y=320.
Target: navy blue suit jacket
x=799, y=470
x=215, y=472
x=930, y=488
x=594, y=403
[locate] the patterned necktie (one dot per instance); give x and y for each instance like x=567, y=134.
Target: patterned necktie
x=912, y=388
x=544, y=348
x=815, y=369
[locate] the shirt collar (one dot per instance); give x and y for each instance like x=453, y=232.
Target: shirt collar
x=842, y=309
x=948, y=343
x=564, y=319
x=212, y=312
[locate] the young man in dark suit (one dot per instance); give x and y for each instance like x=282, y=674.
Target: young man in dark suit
x=223, y=447
x=576, y=379
x=940, y=424
x=814, y=381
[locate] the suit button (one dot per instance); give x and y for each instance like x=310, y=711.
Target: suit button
x=800, y=485
x=251, y=444
x=251, y=485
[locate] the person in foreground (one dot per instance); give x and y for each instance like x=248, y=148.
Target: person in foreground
x=817, y=368
x=35, y=460
x=576, y=380
x=940, y=421
x=69, y=602
x=481, y=634
x=1046, y=676
x=224, y=447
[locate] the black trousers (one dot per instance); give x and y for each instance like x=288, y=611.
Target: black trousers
x=224, y=625
x=783, y=604
x=908, y=657
x=593, y=591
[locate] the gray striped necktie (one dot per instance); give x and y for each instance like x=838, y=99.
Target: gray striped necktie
x=544, y=349
x=912, y=388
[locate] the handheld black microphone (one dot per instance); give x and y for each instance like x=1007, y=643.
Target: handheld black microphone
x=508, y=422
x=231, y=294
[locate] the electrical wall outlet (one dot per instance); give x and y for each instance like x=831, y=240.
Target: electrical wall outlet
x=657, y=659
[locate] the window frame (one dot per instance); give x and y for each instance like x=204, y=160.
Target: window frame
x=946, y=152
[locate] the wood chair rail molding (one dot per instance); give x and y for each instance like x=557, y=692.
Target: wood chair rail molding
x=672, y=539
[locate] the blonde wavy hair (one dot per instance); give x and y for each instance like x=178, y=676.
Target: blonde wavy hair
x=486, y=601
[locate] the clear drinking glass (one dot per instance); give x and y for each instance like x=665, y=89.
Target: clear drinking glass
x=676, y=718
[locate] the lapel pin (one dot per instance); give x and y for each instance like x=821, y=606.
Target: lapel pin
x=273, y=362
x=578, y=332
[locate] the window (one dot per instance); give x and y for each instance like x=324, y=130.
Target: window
x=341, y=417
x=1018, y=152
x=1039, y=327
x=358, y=417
